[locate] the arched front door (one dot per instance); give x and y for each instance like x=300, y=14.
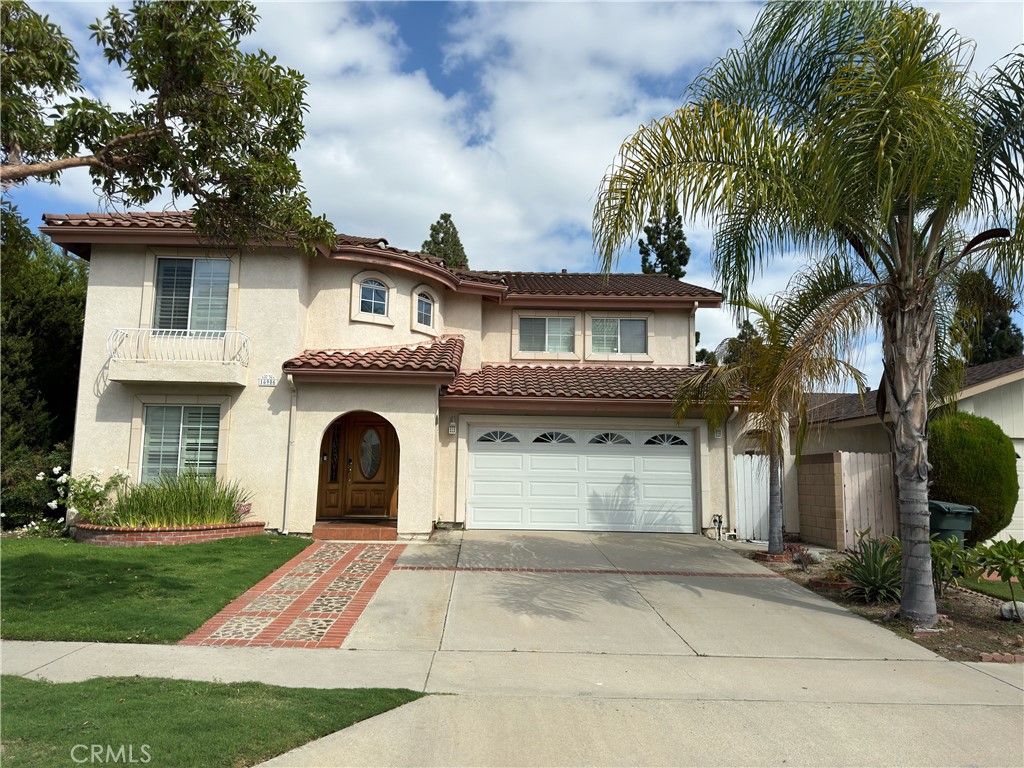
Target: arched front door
x=358, y=468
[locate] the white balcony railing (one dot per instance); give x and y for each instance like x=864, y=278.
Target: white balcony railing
x=152, y=345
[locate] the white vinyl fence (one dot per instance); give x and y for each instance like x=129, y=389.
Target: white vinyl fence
x=751, y=497
x=869, y=495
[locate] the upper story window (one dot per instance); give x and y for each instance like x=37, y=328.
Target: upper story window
x=373, y=297
x=191, y=294
x=619, y=335
x=425, y=310
x=547, y=334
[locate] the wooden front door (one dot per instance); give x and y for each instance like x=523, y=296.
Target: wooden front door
x=358, y=468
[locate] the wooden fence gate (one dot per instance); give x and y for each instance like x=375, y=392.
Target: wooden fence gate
x=869, y=495
x=751, y=497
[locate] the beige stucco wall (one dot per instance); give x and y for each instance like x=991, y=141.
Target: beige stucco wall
x=329, y=322
x=669, y=335
x=412, y=411
x=267, y=305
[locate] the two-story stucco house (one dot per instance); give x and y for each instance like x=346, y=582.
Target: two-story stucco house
x=375, y=384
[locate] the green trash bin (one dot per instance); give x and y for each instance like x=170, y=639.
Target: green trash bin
x=950, y=520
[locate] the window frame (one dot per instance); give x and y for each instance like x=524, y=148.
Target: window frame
x=518, y=353
x=148, y=309
x=633, y=357
x=136, y=448
x=434, y=329
x=356, y=313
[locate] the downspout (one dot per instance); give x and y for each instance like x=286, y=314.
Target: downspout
x=730, y=515
x=288, y=454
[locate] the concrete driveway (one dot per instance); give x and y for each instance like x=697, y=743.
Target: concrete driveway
x=607, y=593
x=608, y=649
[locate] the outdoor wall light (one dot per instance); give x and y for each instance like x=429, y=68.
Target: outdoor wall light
x=453, y=426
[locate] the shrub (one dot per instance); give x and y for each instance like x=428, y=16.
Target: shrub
x=973, y=462
x=1004, y=559
x=874, y=569
x=23, y=498
x=187, y=498
x=949, y=562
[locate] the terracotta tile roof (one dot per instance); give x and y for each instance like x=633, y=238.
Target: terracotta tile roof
x=442, y=355
x=181, y=220
x=572, y=381
x=596, y=284
x=523, y=284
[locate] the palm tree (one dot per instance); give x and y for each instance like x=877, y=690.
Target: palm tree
x=796, y=348
x=855, y=129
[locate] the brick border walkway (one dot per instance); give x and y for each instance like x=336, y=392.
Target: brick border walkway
x=312, y=601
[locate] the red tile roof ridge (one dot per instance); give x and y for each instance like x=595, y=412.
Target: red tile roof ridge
x=592, y=366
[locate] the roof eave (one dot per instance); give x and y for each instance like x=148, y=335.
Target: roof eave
x=371, y=376
x=604, y=301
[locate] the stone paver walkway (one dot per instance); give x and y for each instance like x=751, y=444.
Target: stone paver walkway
x=312, y=601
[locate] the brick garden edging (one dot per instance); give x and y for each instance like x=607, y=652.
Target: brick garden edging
x=113, y=536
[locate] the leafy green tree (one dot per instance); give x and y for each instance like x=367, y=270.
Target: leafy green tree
x=857, y=129
x=444, y=243
x=665, y=252
x=210, y=123
x=42, y=306
x=789, y=349
x=703, y=356
x=984, y=309
x=732, y=350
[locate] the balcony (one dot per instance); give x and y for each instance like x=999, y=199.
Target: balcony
x=188, y=357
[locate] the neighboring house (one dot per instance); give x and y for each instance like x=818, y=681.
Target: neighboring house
x=370, y=383
x=994, y=390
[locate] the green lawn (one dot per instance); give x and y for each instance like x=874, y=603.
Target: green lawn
x=57, y=589
x=175, y=723
x=993, y=588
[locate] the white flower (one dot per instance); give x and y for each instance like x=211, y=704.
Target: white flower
x=41, y=476
x=52, y=504
x=72, y=511
x=56, y=470
x=3, y=514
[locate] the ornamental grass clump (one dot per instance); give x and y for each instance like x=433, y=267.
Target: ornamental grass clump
x=187, y=498
x=874, y=568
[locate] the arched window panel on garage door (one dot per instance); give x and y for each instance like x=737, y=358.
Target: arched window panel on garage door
x=554, y=437
x=665, y=438
x=609, y=438
x=497, y=436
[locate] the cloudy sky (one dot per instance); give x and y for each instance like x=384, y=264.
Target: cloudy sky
x=505, y=114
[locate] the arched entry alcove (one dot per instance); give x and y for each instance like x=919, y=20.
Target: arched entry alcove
x=358, y=469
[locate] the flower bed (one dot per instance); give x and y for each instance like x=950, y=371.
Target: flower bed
x=115, y=536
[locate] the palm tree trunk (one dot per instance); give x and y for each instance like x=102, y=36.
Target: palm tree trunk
x=775, y=545
x=908, y=350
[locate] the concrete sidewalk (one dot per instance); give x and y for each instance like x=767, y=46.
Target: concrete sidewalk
x=580, y=709
x=608, y=649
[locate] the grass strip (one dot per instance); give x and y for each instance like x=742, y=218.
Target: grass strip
x=58, y=589
x=991, y=588
x=175, y=723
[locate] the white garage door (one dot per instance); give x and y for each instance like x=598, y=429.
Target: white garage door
x=554, y=479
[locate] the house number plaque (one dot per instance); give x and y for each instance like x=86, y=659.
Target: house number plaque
x=268, y=380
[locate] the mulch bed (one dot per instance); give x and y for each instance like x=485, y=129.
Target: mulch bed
x=969, y=625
